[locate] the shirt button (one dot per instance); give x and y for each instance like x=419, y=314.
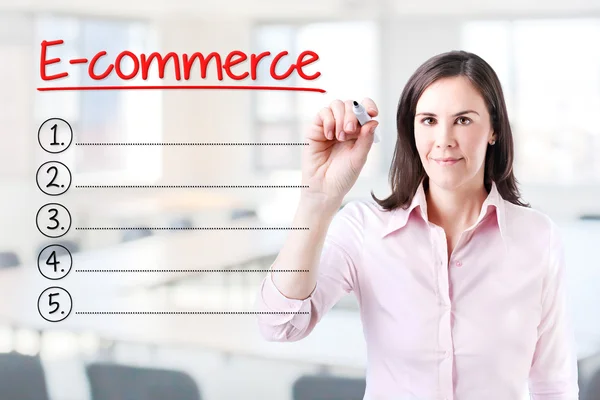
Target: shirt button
x=459, y=263
x=447, y=353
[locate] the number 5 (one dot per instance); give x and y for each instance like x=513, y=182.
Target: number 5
x=51, y=303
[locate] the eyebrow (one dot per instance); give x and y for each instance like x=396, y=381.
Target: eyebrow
x=455, y=115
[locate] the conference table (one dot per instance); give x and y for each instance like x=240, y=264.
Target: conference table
x=96, y=293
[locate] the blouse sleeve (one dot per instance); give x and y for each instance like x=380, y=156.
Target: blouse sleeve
x=287, y=319
x=553, y=373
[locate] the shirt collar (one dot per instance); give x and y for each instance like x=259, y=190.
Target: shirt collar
x=399, y=216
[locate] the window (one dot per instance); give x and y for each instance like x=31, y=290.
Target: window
x=551, y=78
x=349, y=66
x=101, y=115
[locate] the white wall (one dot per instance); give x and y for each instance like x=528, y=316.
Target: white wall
x=205, y=115
x=314, y=9
x=224, y=115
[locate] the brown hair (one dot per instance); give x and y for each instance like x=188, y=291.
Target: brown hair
x=407, y=172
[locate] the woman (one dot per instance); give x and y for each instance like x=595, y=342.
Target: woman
x=460, y=284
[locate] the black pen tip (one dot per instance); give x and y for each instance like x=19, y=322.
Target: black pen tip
x=355, y=103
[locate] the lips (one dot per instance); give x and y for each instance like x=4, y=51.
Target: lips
x=447, y=160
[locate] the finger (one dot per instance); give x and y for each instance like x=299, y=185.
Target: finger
x=364, y=142
x=327, y=122
x=351, y=126
x=338, y=109
x=370, y=106
x=363, y=130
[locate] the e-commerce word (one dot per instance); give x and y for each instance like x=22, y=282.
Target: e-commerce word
x=182, y=64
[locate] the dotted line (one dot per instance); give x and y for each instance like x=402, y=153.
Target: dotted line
x=192, y=270
x=186, y=312
x=187, y=228
x=191, y=186
x=193, y=144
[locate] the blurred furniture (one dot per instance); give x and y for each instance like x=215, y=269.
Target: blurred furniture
x=590, y=217
x=135, y=234
x=8, y=259
x=591, y=390
x=114, y=381
x=241, y=213
x=174, y=257
x=589, y=377
x=71, y=245
x=22, y=378
x=181, y=223
x=325, y=387
x=227, y=334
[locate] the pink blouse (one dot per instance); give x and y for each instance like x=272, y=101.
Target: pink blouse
x=488, y=323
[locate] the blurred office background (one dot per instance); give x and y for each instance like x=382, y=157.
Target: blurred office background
x=545, y=53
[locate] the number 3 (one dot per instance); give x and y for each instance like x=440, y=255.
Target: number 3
x=53, y=218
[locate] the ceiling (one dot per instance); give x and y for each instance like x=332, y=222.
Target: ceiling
x=306, y=9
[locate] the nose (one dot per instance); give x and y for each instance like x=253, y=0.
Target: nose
x=444, y=136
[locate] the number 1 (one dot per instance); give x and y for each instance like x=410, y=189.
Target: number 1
x=54, y=142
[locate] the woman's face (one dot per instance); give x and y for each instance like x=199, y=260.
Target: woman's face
x=452, y=132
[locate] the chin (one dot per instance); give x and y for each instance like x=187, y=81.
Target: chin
x=447, y=181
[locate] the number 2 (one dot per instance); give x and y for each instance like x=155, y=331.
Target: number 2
x=54, y=178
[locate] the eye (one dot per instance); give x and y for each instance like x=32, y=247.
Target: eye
x=467, y=120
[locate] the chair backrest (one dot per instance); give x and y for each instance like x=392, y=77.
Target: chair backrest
x=241, y=213
x=588, y=369
x=324, y=387
x=110, y=381
x=71, y=245
x=9, y=259
x=181, y=223
x=591, y=390
x=135, y=234
x=22, y=377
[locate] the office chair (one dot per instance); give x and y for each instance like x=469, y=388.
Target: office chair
x=317, y=387
x=241, y=213
x=591, y=391
x=589, y=377
x=22, y=377
x=109, y=381
x=71, y=245
x=135, y=234
x=180, y=223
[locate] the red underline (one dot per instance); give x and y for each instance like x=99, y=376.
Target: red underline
x=188, y=87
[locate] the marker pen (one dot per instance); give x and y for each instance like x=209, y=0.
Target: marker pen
x=363, y=117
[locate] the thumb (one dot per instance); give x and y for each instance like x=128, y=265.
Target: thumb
x=365, y=138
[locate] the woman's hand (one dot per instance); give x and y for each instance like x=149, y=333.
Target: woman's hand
x=337, y=150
